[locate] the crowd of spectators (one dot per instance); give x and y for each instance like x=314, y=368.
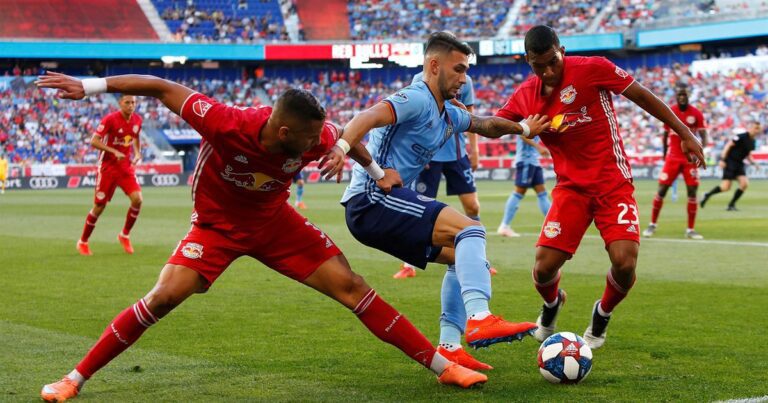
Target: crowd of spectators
x=412, y=19
x=37, y=127
x=568, y=17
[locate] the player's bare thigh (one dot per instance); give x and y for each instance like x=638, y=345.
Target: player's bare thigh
x=175, y=284
x=449, y=223
x=335, y=278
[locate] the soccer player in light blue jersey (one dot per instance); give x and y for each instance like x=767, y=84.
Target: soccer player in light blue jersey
x=528, y=174
x=453, y=162
x=406, y=130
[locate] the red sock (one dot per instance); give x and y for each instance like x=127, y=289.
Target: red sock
x=392, y=327
x=90, y=224
x=547, y=290
x=658, y=202
x=124, y=330
x=130, y=219
x=613, y=293
x=692, y=206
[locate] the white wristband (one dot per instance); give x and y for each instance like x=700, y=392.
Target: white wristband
x=375, y=171
x=526, y=128
x=93, y=86
x=341, y=143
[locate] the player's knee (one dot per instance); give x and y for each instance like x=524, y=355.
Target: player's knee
x=663, y=191
x=163, y=300
x=692, y=191
x=472, y=208
x=625, y=263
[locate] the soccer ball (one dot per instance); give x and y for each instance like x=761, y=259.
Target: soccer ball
x=565, y=358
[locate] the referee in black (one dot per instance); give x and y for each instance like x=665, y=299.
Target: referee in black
x=732, y=161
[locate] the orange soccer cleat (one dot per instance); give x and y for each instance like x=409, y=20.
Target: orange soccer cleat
x=126, y=242
x=300, y=205
x=83, y=248
x=494, y=329
x=462, y=357
x=59, y=391
x=455, y=374
x=405, y=272
x=493, y=271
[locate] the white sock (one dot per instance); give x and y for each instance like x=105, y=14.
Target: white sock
x=602, y=312
x=439, y=363
x=77, y=377
x=553, y=303
x=408, y=266
x=480, y=315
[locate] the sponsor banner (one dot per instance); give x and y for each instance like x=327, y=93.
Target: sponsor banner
x=78, y=182
x=141, y=169
x=638, y=172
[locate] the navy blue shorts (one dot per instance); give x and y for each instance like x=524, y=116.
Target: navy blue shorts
x=400, y=224
x=458, y=176
x=528, y=176
x=297, y=177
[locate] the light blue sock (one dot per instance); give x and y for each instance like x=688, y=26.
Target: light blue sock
x=513, y=202
x=299, y=193
x=453, y=319
x=674, y=191
x=472, y=269
x=544, y=203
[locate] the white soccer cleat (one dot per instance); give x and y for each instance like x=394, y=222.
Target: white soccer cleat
x=505, y=230
x=547, y=319
x=692, y=234
x=649, y=231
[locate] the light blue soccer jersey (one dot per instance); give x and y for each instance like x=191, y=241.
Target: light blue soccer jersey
x=412, y=141
x=448, y=152
x=526, y=153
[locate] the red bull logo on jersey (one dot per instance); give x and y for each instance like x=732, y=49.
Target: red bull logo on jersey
x=562, y=122
x=291, y=165
x=251, y=181
x=124, y=141
x=568, y=95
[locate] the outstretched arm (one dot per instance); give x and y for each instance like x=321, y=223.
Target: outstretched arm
x=495, y=127
x=378, y=115
x=171, y=94
x=645, y=99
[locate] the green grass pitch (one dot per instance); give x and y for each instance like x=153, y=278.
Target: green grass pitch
x=692, y=329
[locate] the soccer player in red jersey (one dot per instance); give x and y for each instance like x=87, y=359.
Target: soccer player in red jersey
x=117, y=137
x=675, y=163
x=240, y=191
x=594, y=181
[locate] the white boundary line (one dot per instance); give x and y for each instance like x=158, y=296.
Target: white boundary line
x=673, y=240
x=757, y=399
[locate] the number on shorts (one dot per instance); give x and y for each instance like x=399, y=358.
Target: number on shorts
x=624, y=209
x=468, y=176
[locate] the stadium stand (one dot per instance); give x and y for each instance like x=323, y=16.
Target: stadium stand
x=241, y=21
x=83, y=19
x=567, y=17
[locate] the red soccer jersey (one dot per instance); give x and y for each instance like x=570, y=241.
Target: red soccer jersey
x=237, y=182
x=118, y=133
x=691, y=117
x=584, y=140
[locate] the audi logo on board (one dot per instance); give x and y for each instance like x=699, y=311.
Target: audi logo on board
x=43, y=182
x=165, y=180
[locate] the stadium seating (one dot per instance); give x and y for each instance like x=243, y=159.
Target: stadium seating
x=227, y=21
x=83, y=19
x=410, y=19
x=567, y=17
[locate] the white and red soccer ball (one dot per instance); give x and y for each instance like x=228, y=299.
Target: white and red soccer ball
x=564, y=358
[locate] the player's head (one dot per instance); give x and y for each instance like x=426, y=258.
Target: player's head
x=299, y=118
x=754, y=128
x=127, y=103
x=544, y=54
x=446, y=60
x=681, y=95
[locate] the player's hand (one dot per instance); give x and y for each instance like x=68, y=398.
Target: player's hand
x=693, y=150
x=390, y=180
x=456, y=103
x=136, y=160
x=69, y=87
x=332, y=164
x=537, y=123
x=721, y=164
x=474, y=161
x=119, y=155
x=544, y=152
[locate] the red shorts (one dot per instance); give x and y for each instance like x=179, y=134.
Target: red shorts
x=673, y=167
x=108, y=181
x=615, y=215
x=285, y=242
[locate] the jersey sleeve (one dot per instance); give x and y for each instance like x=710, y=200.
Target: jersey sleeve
x=604, y=74
x=103, y=128
x=213, y=120
x=701, y=123
x=407, y=104
x=513, y=110
x=468, y=93
x=460, y=118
